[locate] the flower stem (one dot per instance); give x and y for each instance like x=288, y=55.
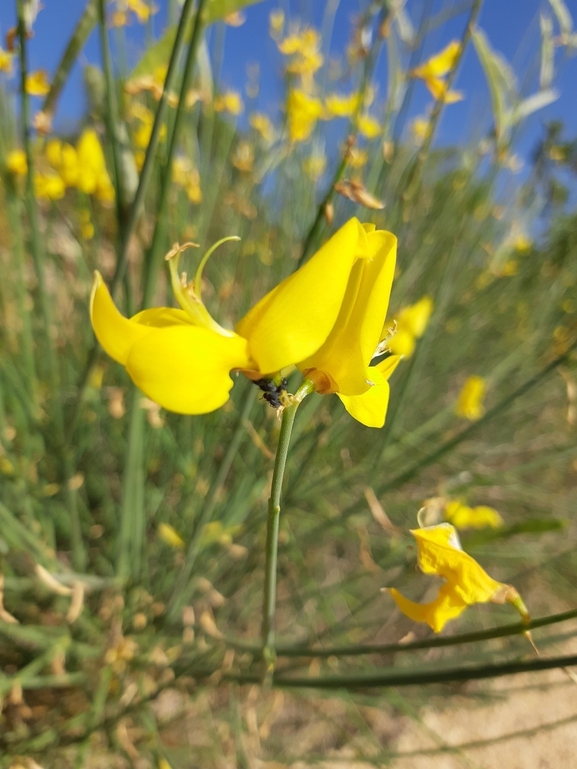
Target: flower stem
x=273, y=522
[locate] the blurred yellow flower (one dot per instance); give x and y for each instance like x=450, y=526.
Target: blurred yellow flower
x=6, y=61
x=315, y=166
x=522, y=243
x=263, y=124
x=342, y=364
x=63, y=159
x=342, y=106
x=368, y=126
x=86, y=226
x=464, y=517
x=470, y=401
x=438, y=90
x=440, y=64
x=420, y=128
x=303, y=111
x=411, y=324
x=357, y=158
x=182, y=358
x=276, y=22
x=48, y=186
x=93, y=178
x=304, y=51
x=37, y=83
x=141, y=9
x=168, y=534
x=466, y=582
x=230, y=101
x=16, y=163
x=186, y=176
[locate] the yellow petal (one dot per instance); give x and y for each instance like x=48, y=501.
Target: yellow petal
x=470, y=402
x=446, y=606
x=370, y=408
x=186, y=368
x=346, y=354
x=441, y=63
x=438, y=90
x=415, y=318
x=294, y=319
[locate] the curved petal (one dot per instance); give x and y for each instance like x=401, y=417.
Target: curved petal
x=446, y=606
x=158, y=317
x=115, y=333
x=357, y=331
x=186, y=368
x=370, y=408
x=293, y=320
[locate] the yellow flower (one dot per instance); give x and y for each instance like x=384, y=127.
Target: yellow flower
x=16, y=163
x=440, y=64
x=48, y=186
x=368, y=126
x=304, y=51
x=315, y=166
x=263, y=125
x=342, y=364
x=6, y=61
x=182, y=358
x=37, y=83
x=342, y=106
x=63, y=159
x=464, y=517
x=303, y=111
x=276, y=22
x=466, y=582
x=230, y=101
x=438, y=90
x=168, y=534
x=411, y=323
x=93, y=178
x=142, y=10
x=470, y=402
x=186, y=176
x=420, y=128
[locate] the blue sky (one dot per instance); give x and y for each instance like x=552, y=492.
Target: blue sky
x=511, y=25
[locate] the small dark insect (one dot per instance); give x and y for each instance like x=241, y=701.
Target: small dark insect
x=272, y=390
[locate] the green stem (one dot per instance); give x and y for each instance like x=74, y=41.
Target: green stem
x=273, y=522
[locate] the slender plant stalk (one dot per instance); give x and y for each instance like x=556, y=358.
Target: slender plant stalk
x=273, y=522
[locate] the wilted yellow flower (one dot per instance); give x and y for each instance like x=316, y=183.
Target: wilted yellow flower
x=93, y=178
x=182, y=359
x=411, y=323
x=440, y=64
x=342, y=364
x=470, y=402
x=263, y=124
x=6, y=61
x=464, y=517
x=230, y=101
x=368, y=126
x=37, y=83
x=168, y=534
x=16, y=163
x=342, y=106
x=303, y=111
x=48, y=186
x=466, y=582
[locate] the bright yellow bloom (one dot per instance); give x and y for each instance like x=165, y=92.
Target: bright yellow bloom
x=142, y=10
x=168, y=534
x=411, y=323
x=230, y=101
x=63, y=159
x=16, y=163
x=48, y=186
x=304, y=51
x=37, y=83
x=182, y=358
x=93, y=178
x=368, y=126
x=440, y=553
x=342, y=106
x=464, y=517
x=6, y=61
x=440, y=64
x=342, y=364
x=438, y=90
x=303, y=111
x=470, y=402
x=263, y=124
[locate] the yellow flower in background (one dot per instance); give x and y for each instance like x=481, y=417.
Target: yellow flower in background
x=368, y=126
x=263, y=124
x=16, y=163
x=276, y=22
x=186, y=176
x=342, y=106
x=420, y=128
x=37, y=83
x=93, y=178
x=440, y=64
x=522, y=243
x=470, y=402
x=303, y=111
x=86, y=225
x=230, y=101
x=464, y=517
x=64, y=159
x=342, y=364
x=315, y=166
x=141, y=9
x=168, y=534
x=182, y=358
x=466, y=582
x=49, y=186
x=438, y=90
x=6, y=61
x=357, y=158
x=411, y=324
x=304, y=51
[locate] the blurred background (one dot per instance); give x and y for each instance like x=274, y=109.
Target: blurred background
x=131, y=539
